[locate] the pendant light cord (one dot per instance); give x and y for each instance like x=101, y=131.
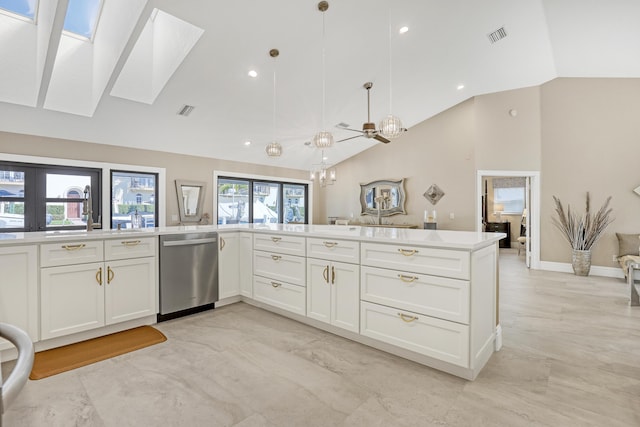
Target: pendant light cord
x=390, y=93
x=323, y=72
x=274, y=99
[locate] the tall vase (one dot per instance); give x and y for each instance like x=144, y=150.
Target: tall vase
x=581, y=262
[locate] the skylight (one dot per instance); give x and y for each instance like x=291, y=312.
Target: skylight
x=22, y=8
x=82, y=17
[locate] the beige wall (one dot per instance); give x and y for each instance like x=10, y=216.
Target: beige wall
x=581, y=134
x=177, y=166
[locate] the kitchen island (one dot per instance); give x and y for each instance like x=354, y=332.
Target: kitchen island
x=426, y=295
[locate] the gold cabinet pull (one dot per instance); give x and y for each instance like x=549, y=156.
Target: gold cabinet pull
x=73, y=247
x=99, y=276
x=276, y=284
x=325, y=274
x=333, y=275
x=276, y=257
x=408, y=252
x=276, y=239
x=222, y=243
x=110, y=275
x=330, y=244
x=406, y=318
x=407, y=279
x=130, y=242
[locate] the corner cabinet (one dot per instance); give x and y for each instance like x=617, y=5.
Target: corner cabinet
x=90, y=284
x=333, y=287
x=19, y=289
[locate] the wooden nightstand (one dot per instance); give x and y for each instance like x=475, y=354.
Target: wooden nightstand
x=500, y=227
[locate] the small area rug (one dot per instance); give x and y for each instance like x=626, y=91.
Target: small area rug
x=72, y=356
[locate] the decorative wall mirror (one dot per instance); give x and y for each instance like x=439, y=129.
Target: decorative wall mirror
x=190, y=199
x=386, y=195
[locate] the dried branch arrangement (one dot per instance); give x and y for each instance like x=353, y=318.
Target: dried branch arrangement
x=582, y=231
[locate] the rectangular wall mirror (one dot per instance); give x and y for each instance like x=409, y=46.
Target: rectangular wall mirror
x=190, y=199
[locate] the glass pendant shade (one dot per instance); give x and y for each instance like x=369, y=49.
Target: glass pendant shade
x=323, y=139
x=274, y=149
x=391, y=127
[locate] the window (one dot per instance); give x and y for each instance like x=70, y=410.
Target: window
x=133, y=192
x=21, y=8
x=43, y=197
x=271, y=201
x=508, y=195
x=82, y=18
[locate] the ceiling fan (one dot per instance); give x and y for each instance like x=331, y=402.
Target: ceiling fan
x=368, y=128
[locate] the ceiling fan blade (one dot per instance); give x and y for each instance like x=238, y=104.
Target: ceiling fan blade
x=351, y=137
x=352, y=130
x=381, y=138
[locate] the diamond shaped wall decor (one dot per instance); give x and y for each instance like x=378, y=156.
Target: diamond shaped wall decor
x=434, y=194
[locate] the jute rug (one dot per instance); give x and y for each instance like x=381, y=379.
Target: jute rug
x=72, y=356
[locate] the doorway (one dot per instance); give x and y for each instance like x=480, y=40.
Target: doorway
x=529, y=212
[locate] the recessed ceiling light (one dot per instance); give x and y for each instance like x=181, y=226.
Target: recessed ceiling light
x=247, y=143
x=460, y=87
x=325, y=158
x=253, y=73
x=403, y=30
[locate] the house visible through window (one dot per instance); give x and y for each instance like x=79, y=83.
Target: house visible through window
x=133, y=192
x=271, y=201
x=509, y=194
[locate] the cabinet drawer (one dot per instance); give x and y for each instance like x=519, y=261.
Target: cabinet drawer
x=446, y=341
x=440, y=297
x=280, y=294
x=334, y=250
x=283, y=244
x=437, y=262
x=68, y=253
x=129, y=248
x=275, y=266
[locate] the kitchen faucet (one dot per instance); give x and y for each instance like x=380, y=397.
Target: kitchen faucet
x=87, y=210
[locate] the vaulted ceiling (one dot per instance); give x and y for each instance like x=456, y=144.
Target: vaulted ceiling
x=112, y=89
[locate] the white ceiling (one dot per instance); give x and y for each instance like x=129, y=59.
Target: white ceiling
x=446, y=45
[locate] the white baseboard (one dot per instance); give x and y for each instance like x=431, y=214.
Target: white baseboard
x=596, y=270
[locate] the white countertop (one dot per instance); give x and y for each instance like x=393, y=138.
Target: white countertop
x=467, y=240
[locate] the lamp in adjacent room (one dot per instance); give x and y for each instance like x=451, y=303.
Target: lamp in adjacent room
x=498, y=208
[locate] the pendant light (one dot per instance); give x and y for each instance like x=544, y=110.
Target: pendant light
x=326, y=176
x=391, y=126
x=323, y=139
x=274, y=149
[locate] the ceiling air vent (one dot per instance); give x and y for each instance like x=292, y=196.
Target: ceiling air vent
x=497, y=35
x=186, y=110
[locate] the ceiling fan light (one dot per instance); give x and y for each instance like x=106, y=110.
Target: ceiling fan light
x=391, y=127
x=323, y=139
x=274, y=149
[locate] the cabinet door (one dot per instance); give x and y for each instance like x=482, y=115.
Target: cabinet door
x=71, y=299
x=19, y=290
x=228, y=265
x=130, y=289
x=245, y=264
x=345, y=296
x=319, y=290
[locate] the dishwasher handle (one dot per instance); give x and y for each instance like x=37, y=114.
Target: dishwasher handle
x=189, y=242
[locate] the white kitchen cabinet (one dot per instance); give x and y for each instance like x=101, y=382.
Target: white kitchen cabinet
x=19, y=289
x=228, y=265
x=88, y=295
x=333, y=293
x=245, y=264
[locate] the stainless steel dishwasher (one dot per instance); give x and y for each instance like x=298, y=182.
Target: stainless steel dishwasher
x=188, y=274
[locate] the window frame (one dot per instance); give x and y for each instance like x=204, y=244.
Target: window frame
x=157, y=197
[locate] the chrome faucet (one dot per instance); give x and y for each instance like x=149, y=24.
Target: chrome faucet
x=87, y=203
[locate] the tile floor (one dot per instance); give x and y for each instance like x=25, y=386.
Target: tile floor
x=571, y=357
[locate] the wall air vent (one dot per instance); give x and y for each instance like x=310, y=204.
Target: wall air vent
x=497, y=35
x=186, y=110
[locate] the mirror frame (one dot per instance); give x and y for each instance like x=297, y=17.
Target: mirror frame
x=183, y=215
x=400, y=209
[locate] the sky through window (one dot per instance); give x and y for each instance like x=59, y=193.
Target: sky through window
x=25, y=8
x=82, y=17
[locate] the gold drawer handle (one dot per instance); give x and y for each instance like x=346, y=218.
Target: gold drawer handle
x=276, y=257
x=325, y=274
x=330, y=244
x=73, y=247
x=406, y=318
x=99, y=276
x=276, y=239
x=276, y=284
x=110, y=275
x=131, y=242
x=333, y=275
x=407, y=279
x=408, y=252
